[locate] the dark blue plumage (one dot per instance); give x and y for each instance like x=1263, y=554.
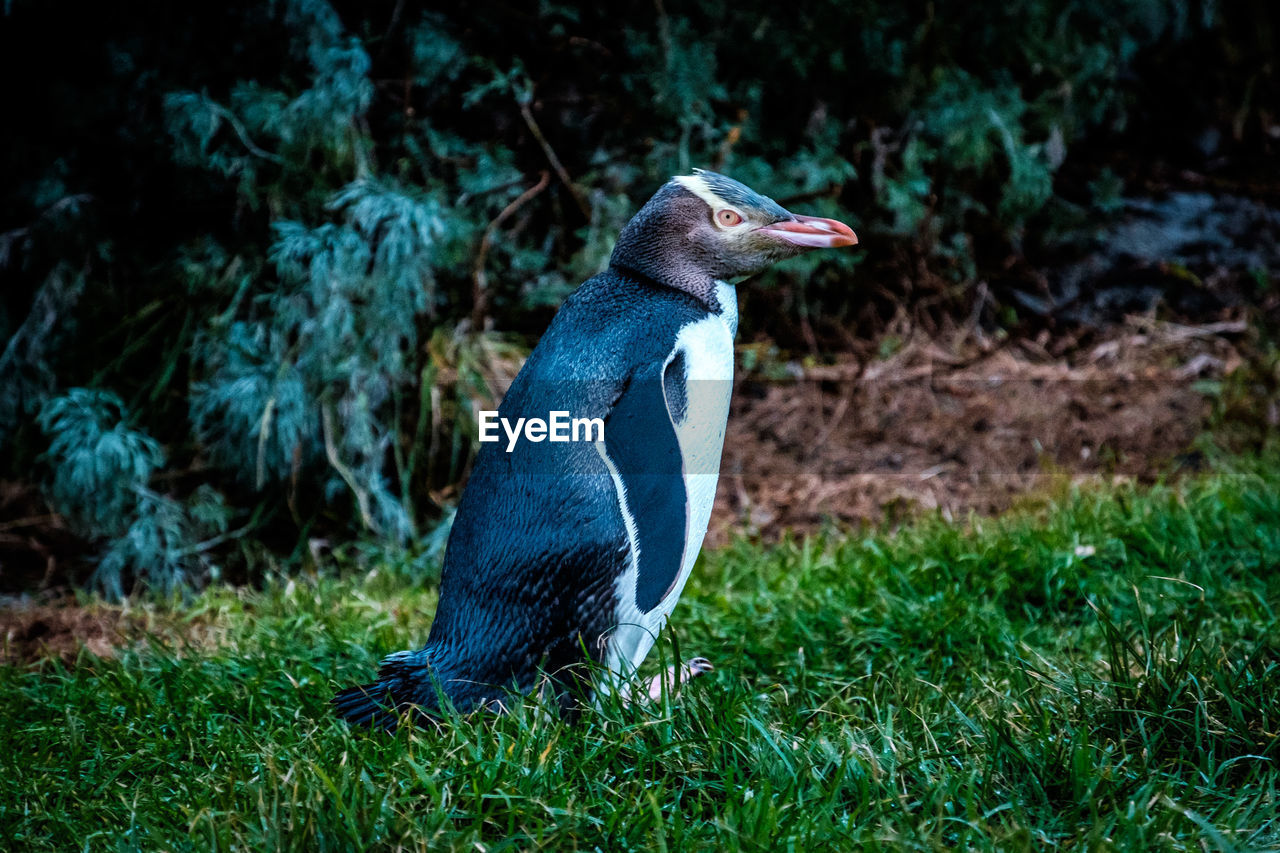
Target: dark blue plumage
x=544, y=518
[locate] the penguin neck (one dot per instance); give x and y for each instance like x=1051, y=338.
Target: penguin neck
x=657, y=245
x=683, y=277
x=727, y=296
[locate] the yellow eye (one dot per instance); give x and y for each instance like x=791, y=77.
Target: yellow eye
x=728, y=218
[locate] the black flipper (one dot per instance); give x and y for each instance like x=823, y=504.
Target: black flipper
x=640, y=439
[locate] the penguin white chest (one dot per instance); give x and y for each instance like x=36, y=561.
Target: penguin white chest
x=697, y=387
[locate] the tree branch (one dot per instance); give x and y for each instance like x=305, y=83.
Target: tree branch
x=331, y=451
x=479, y=280
x=552, y=158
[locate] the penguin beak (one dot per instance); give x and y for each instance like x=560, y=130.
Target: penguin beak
x=812, y=232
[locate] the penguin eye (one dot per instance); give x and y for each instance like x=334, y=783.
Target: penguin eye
x=728, y=218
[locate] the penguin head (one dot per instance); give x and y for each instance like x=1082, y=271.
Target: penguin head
x=705, y=227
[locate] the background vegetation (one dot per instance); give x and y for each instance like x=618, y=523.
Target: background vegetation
x=261, y=260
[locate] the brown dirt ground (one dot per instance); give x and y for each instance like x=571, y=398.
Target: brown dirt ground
x=966, y=428
x=958, y=426
x=54, y=625
x=32, y=631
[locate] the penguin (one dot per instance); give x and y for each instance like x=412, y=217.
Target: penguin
x=574, y=551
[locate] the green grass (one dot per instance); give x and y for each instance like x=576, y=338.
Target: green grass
x=1100, y=674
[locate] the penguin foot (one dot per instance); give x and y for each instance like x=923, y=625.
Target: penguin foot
x=674, y=676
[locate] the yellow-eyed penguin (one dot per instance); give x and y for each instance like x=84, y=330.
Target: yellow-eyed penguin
x=566, y=550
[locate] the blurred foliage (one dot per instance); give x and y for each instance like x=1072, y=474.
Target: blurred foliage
x=264, y=261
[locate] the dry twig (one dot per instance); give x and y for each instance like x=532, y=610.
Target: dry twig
x=479, y=280
x=552, y=158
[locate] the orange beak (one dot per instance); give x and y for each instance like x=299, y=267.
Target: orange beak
x=812, y=232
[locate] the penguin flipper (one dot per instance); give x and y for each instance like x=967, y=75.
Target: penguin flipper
x=642, y=446
x=405, y=685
